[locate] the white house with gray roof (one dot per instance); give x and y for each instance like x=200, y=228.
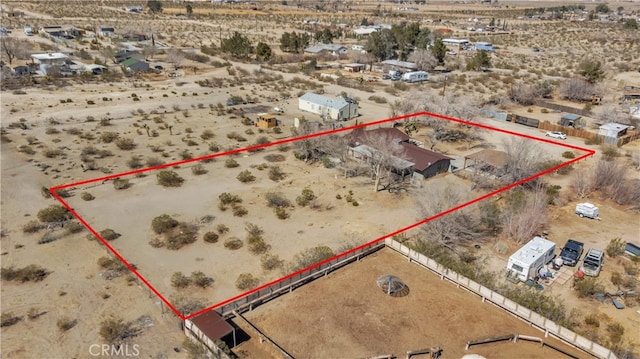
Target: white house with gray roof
x=329, y=108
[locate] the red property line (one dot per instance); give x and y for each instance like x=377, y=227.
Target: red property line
x=53, y=190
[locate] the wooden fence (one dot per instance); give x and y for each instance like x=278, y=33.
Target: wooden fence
x=562, y=108
x=570, y=131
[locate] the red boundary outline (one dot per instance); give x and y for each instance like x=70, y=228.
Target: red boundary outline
x=53, y=190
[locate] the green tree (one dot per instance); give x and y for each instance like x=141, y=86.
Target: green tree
x=381, y=45
x=154, y=6
x=189, y=10
x=479, y=61
x=292, y=42
x=324, y=36
x=631, y=24
x=405, y=36
x=263, y=52
x=439, y=50
x=603, y=8
x=591, y=70
x=237, y=45
x=423, y=39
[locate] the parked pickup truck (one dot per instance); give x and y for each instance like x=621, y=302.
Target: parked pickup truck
x=571, y=252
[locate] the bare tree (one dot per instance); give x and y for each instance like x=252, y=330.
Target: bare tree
x=108, y=53
x=148, y=51
x=611, y=113
x=581, y=182
x=13, y=47
x=523, y=94
x=383, y=153
x=523, y=159
x=577, y=89
x=175, y=57
x=424, y=59
x=455, y=228
x=526, y=214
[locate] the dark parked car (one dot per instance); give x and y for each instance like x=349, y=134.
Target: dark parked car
x=571, y=252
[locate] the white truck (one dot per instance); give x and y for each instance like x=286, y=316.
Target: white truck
x=587, y=210
x=525, y=263
x=415, y=76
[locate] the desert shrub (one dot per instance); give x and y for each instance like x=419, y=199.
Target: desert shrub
x=200, y=279
x=66, y=323
x=86, y=196
x=54, y=213
x=222, y=229
x=276, y=174
x=33, y=226
x=134, y=162
x=207, y=134
x=64, y=193
x=592, y=320
x=246, y=176
x=184, y=234
x=109, y=234
x=239, y=211
x=615, y=331
x=8, y=319
x=378, y=99
x=125, y=144
x=73, y=227
x=231, y=163
x=115, y=331
x=52, y=152
x=277, y=199
x=281, y=213
x=616, y=247
x=246, y=281
x=270, y=261
x=233, y=243
x=275, y=157
x=225, y=199
x=30, y=273
x=179, y=280
x=51, y=131
x=168, y=178
x=214, y=147
x=587, y=286
x=211, y=237
x=163, y=223
x=108, y=137
x=305, y=197
x=568, y=154
x=198, y=169
x=121, y=183
x=154, y=161
x=311, y=256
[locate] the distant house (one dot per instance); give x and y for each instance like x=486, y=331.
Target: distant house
x=631, y=93
x=354, y=67
x=334, y=49
x=134, y=8
x=411, y=157
x=399, y=65
x=330, y=108
x=125, y=54
x=365, y=31
x=134, y=65
x=105, y=31
x=572, y=120
x=484, y=46
x=48, y=60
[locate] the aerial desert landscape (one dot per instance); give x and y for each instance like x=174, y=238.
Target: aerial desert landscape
x=292, y=179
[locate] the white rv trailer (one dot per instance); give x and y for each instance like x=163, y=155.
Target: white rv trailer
x=415, y=76
x=525, y=263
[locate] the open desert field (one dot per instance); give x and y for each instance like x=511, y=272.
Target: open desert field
x=63, y=292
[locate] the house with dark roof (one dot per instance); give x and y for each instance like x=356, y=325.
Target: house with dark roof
x=334, y=49
x=134, y=65
x=409, y=157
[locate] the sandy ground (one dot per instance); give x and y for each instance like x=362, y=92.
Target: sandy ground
x=346, y=315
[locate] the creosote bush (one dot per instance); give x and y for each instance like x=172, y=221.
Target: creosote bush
x=211, y=237
x=66, y=323
x=54, y=213
x=169, y=178
x=270, y=262
x=109, y=234
x=125, y=144
x=233, y=243
x=231, y=163
x=305, y=197
x=86, y=196
x=163, y=224
x=247, y=281
x=246, y=176
x=30, y=273
x=180, y=280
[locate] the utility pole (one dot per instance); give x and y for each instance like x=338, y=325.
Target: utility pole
x=444, y=89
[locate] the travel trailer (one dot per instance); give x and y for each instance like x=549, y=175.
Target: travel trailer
x=525, y=263
x=587, y=210
x=415, y=76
